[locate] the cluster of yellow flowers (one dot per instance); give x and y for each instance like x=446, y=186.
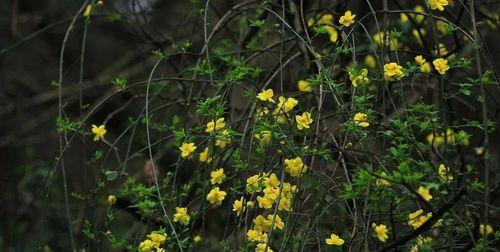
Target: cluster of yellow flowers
x=153, y=243
x=273, y=192
x=285, y=106
x=438, y=4
x=417, y=218
x=425, y=67
x=438, y=139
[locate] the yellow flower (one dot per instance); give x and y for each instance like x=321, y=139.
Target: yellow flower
x=420, y=60
x=392, y=71
x=417, y=218
x=370, y=61
x=381, y=231
x=99, y=132
x=334, y=240
x=278, y=223
x=384, y=182
x=358, y=77
x=304, y=86
x=444, y=173
x=286, y=104
x=347, y=19
x=424, y=193
x=326, y=19
x=266, y=95
x=146, y=246
x=187, y=149
x=197, y=238
x=333, y=34
x=304, y=120
x=205, y=156
x=215, y=125
x=256, y=236
x=272, y=181
x=261, y=223
x=264, y=137
x=438, y=4
x=88, y=10
x=285, y=204
x=361, y=119
x=485, y=230
x=157, y=239
x=181, y=215
x=238, y=206
x=263, y=247
x=217, y=176
x=295, y=167
x=442, y=50
x=441, y=65
x=425, y=68
x=403, y=18
x=111, y=199
x=216, y=196
x=265, y=202
x=253, y=184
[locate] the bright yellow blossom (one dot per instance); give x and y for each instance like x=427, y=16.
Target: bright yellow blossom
x=381, y=231
x=347, y=19
x=187, y=149
x=441, y=65
x=88, y=10
x=217, y=176
x=265, y=202
x=417, y=218
x=261, y=223
x=253, y=184
x=393, y=71
x=304, y=86
x=304, y=120
x=216, y=196
x=444, y=173
x=420, y=60
x=238, y=206
x=157, y=239
x=278, y=223
x=266, y=95
x=285, y=204
x=361, y=119
x=272, y=181
x=359, y=77
x=99, y=132
x=205, y=156
x=256, y=236
x=424, y=193
x=215, y=125
x=146, y=246
x=111, y=199
x=181, y=215
x=438, y=4
x=286, y=104
x=263, y=247
x=334, y=240
x=295, y=167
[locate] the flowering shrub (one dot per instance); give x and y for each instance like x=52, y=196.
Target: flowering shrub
x=301, y=126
